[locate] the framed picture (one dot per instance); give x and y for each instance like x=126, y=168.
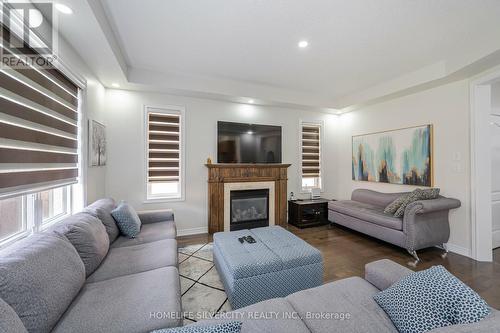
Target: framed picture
x=402, y=156
x=97, y=143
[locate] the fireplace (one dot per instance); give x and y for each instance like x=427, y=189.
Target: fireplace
x=226, y=178
x=249, y=209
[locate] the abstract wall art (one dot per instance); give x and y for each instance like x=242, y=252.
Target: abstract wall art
x=402, y=156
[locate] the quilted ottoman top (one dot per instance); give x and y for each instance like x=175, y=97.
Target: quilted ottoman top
x=276, y=249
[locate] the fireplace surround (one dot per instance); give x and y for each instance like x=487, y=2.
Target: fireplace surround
x=224, y=178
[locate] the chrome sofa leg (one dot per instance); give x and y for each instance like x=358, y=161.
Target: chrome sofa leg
x=413, y=253
x=445, y=249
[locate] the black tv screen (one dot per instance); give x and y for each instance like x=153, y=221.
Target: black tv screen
x=248, y=143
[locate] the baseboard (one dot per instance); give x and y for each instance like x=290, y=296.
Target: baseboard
x=459, y=250
x=192, y=231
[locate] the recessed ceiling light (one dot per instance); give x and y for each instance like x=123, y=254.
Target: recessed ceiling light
x=303, y=44
x=115, y=85
x=249, y=132
x=64, y=9
x=251, y=101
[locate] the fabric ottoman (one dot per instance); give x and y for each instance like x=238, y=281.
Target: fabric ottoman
x=277, y=265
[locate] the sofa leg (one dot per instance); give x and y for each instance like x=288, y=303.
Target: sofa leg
x=445, y=249
x=413, y=253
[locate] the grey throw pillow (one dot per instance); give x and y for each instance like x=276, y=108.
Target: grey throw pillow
x=417, y=195
x=394, y=206
x=102, y=210
x=88, y=235
x=127, y=220
x=39, y=278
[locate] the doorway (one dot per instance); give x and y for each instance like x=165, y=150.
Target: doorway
x=485, y=165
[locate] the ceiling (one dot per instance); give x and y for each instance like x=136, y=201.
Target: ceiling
x=249, y=47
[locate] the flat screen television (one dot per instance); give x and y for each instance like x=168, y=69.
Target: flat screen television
x=248, y=143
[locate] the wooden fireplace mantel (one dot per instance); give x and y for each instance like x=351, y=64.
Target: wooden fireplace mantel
x=221, y=173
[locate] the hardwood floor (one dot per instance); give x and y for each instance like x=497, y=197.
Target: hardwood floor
x=345, y=253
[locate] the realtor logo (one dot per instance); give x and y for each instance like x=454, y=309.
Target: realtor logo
x=28, y=35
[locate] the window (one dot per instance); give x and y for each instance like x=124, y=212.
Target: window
x=21, y=215
x=164, y=153
x=55, y=204
x=13, y=218
x=39, y=141
x=311, y=134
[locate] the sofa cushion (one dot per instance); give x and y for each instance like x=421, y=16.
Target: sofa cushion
x=39, y=278
x=102, y=210
x=88, y=236
x=10, y=321
x=129, y=304
x=225, y=327
x=347, y=304
x=366, y=212
x=284, y=318
x=127, y=260
x=430, y=299
x=149, y=233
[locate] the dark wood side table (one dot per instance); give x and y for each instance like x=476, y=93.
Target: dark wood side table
x=308, y=213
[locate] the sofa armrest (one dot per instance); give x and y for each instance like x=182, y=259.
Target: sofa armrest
x=433, y=205
x=384, y=273
x=153, y=216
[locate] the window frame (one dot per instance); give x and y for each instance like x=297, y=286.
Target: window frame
x=321, y=124
x=67, y=202
x=26, y=222
x=32, y=215
x=166, y=109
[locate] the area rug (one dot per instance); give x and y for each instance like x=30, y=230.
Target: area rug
x=202, y=291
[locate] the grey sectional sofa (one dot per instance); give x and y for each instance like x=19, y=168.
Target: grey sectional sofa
x=424, y=224
x=344, y=306
x=116, y=285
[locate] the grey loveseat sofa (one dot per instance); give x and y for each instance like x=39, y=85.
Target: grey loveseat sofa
x=424, y=224
x=116, y=285
x=343, y=306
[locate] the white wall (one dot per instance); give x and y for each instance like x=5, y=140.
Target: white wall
x=447, y=108
x=92, y=107
x=125, y=138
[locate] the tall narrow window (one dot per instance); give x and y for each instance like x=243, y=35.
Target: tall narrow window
x=311, y=155
x=164, y=153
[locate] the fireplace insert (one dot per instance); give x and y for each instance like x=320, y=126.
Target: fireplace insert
x=249, y=209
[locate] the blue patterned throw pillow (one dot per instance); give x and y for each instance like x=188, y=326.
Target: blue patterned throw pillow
x=127, y=220
x=228, y=327
x=430, y=299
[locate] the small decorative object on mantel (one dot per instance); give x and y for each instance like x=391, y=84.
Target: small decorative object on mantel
x=97, y=143
x=209, y=160
x=292, y=196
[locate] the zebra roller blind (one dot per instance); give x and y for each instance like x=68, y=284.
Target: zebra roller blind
x=311, y=151
x=163, y=146
x=38, y=127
